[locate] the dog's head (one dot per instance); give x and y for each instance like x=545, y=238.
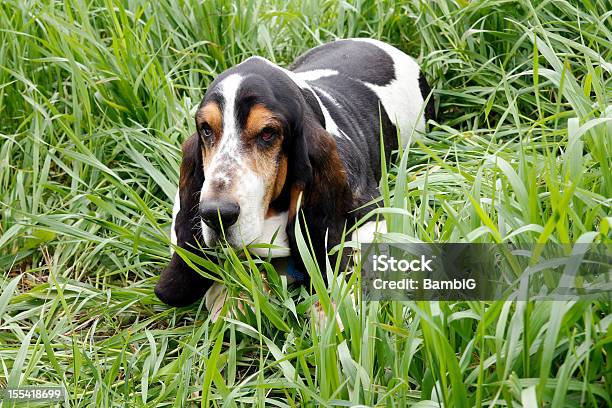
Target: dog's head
x=260, y=143
x=247, y=125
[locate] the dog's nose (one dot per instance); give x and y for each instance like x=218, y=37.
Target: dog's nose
x=219, y=213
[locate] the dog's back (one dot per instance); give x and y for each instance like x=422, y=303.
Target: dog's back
x=367, y=89
x=391, y=75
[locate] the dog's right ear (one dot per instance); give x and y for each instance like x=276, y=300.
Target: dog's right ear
x=179, y=284
x=318, y=176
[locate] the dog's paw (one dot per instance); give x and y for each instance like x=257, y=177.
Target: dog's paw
x=216, y=297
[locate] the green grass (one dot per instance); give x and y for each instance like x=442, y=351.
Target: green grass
x=95, y=99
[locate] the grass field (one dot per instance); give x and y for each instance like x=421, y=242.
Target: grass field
x=96, y=97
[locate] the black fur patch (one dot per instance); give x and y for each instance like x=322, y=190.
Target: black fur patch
x=355, y=59
x=430, y=111
x=179, y=284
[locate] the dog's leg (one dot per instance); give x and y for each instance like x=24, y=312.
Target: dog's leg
x=216, y=297
x=367, y=232
x=319, y=317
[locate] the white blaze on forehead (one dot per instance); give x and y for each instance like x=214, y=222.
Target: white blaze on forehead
x=227, y=153
x=231, y=133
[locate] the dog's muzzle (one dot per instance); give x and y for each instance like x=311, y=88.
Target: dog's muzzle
x=219, y=215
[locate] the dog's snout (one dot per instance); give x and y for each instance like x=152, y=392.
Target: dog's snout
x=217, y=214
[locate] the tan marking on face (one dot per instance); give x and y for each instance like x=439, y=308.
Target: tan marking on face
x=281, y=176
x=211, y=114
x=259, y=117
x=296, y=191
x=271, y=213
x=279, y=183
x=266, y=162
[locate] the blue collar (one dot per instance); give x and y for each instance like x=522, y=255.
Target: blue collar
x=297, y=275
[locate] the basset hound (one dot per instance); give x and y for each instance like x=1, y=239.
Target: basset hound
x=268, y=138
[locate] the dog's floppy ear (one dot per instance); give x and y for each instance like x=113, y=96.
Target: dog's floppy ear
x=319, y=177
x=179, y=284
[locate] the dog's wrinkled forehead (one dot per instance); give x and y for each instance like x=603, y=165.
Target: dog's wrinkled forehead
x=254, y=81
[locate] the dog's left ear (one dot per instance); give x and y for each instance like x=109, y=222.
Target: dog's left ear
x=179, y=284
x=317, y=175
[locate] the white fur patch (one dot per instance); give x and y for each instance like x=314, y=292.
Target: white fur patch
x=214, y=299
x=250, y=196
x=316, y=74
x=332, y=128
x=402, y=97
x=276, y=224
x=366, y=233
x=320, y=319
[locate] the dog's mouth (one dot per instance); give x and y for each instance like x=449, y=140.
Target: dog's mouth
x=230, y=237
x=214, y=239
x=270, y=240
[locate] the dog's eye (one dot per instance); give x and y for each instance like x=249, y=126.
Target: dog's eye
x=267, y=135
x=207, y=131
